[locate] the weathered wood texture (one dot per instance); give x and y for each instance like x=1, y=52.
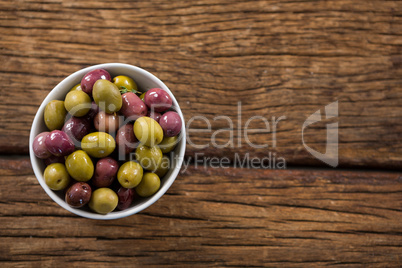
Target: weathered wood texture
x=279, y=58
x=225, y=217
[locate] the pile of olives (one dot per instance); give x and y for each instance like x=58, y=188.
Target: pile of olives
x=108, y=143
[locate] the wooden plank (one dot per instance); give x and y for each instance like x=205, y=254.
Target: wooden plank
x=222, y=217
x=279, y=58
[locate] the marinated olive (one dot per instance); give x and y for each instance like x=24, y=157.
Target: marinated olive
x=92, y=112
x=163, y=167
x=78, y=195
x=106, y=122
x=130, y=174
x=125, y=139
x=54, y=159
x=148, y=131
x=149, y=157
x=105, y=172
x=39, y=147
x=76, y=128
x=154, y=115
x=77, y=103
x=133, y=107
x=56, y=176
x=107, y=96
x=157, y=100
x=91, y=77
x=103, y=200
x=76, y=87
x=98, y=144
x=126, y=82
x=149, y=185
x=170, y=123
x=142, y=96
x=58, y=143
x=126, y=197
x=79, y=165
x=168, y=144
x=54, y=114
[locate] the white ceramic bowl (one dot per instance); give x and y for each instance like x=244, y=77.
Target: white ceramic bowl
x=145, y=81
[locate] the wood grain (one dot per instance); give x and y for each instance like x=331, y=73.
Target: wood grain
x=214, y=217
x=279, y=58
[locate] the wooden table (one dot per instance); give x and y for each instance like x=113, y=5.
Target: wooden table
x=277, y=58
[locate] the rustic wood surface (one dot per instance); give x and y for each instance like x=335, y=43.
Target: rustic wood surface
x=279, y=59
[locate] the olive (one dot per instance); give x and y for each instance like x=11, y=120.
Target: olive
x=79, y=165
x=168, y=144
x=98, y=144
x=92, y=112
x=91, y=77
x=149, y=185
x=154, y=115
x=106, y=122
x=105, y=172
x=149, y=157
x=59, y=143
x=76, y=128
x=163, y=167
x=103, y=200
x=77, y=103
x=142, y=96
x=39, y=147
x=125, y=139
x=54, y=114
x=76, y=87
x=130, y=174
x=148, y=131
x=56, y=176
x=133, y=107
x=170, y=123
x=54, y=159
x=126, y=82
x=157, y=100
x=107, y=96
x=78, y=195
x=126, y=197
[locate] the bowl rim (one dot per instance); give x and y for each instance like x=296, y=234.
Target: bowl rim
x=62, y=85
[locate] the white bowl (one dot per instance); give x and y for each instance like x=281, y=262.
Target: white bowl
x=145, y=81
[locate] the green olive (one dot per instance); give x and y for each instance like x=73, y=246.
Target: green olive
x=103, y=200
x=76, y=87
x=98, y=144
x=168, y=144
x=149, y=157
x=79, y=165
x=142, y=96
x=77, y=103
x=130, y=174
x=123, y=81
x=56, y=176
x=148, y=131
x=107, y=96
x=149, y=185
x=163, y=167
x=54, y=114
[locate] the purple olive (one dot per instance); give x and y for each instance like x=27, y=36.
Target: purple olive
x=157, y=100
x=126, y=197
x=39, y=146
x=78, y=195
x=76, y=128
x=170, y=123
x=105, y=172
x=59, y=144
x=90, y=78
x=92, y=112
x=154, y=115
x=125, y=139
x=54, y=159
x=108, y=123
x=133, y=107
